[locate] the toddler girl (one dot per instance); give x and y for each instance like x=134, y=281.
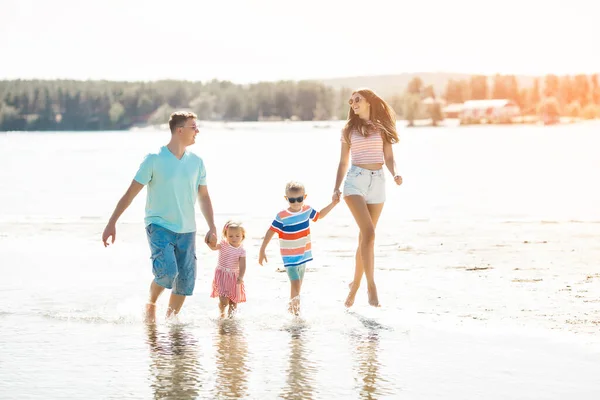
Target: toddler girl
x=228, y=283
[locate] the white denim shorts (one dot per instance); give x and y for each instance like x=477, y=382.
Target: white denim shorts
x=366, y=183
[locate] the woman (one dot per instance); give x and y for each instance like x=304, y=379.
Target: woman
x=367, y=139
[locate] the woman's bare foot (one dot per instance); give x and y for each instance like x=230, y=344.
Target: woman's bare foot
x=150, y=315
x=373, y=298
x=350, y=299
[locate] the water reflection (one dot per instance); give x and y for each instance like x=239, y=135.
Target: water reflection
x=368, y=367
x=301, y=371
x=231, y=358
x=175, y=367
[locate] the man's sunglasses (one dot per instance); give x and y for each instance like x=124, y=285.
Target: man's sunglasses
x=292, y=200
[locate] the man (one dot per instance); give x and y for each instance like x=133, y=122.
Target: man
x=175, y=178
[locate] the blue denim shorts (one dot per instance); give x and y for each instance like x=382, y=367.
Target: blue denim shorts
x=173, y=258
x=296, y=272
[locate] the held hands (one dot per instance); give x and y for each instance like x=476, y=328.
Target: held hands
x=211, y=237
x=398, y=179
x=335, y=200
x=336, y=196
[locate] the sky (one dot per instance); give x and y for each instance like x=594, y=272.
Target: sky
x=254, y=40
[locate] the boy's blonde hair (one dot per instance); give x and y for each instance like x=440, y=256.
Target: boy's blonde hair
x=294, y=186
x=234, y=224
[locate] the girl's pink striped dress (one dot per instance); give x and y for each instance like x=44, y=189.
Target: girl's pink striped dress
x=226, y=274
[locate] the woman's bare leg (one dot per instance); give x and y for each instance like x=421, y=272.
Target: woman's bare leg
x=366, y=248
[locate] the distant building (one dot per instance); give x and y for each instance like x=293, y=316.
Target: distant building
x=453, y=110
x=496, y=111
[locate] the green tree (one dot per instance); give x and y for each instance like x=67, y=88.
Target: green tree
x=566, y=91
x=145, y=106
x=161, y=115
x=582, y=90
x=499, y=90
x=549, y=110
x=9, y=117
x=479, y=87
x=591, y=111
x=551, y=84
x=204, y=106
x=415, y=86
x=411, y=107
x=595, y=89
x=457, y=91
x=573, y=110
x=116, y=113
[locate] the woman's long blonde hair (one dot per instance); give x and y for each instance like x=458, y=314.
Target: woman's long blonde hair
x=381, y=115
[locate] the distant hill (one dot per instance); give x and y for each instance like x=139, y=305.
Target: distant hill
x=389, y=85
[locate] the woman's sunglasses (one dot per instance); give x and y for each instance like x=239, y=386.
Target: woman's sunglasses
x=354, y=100
x=292, y=200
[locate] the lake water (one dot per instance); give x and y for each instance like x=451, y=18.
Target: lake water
x=487, y=264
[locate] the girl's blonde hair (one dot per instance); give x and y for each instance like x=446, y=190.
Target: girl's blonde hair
x=234, y=224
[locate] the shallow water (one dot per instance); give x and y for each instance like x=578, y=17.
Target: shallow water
x=487, y=268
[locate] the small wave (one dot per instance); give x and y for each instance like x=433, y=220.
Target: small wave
x=91, y=217
x=369, y=321
x=92, y=319
x=408, y=249
x=551, y=222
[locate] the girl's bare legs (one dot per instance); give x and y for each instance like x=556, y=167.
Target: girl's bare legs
x=223, y=302
x=366, y=248
x=232, y=308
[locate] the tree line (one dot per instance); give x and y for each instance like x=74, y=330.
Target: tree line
x=552, y=95
x=105, y=105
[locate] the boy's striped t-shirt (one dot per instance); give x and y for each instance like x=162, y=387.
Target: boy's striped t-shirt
x=294, y=235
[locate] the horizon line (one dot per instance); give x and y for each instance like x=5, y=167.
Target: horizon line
x=250, y=82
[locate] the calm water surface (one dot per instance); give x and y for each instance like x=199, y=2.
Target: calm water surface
x=487, y=267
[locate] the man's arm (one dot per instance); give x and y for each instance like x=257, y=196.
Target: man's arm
x=207, y=212
x=111, y=230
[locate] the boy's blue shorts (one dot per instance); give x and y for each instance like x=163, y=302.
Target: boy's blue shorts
x=296, y=272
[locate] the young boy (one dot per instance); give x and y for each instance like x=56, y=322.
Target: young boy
x=292, y=227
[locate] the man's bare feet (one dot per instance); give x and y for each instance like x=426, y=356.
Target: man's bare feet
x=350, y=299
x=373, y=298
x=150, y=315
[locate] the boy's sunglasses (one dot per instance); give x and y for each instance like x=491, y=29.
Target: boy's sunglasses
x=296, y=199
